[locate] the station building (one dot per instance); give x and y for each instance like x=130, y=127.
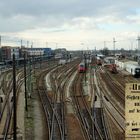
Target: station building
x=7, y=52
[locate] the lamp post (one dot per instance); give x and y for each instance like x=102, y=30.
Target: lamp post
x=40, y=59
x=85, y=66
x=30, y=77
x=114, y=41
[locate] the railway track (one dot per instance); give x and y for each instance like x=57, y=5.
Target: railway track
x=116, y=90
x=110, y=105
x=62, y=75
x=98, y=111
x=6, y=112
x=88, y=124
x=52, y=120
x=6, y=129
x=110, y=93
x=54, y=105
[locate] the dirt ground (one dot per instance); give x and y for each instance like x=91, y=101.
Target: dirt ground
x=74, y=129
x=35, y=125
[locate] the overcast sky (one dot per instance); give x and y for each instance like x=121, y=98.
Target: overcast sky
x=74, y=24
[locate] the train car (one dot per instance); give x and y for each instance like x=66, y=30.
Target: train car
x=98, y=61
x=133, y=69
x=58, y=56
x=113, y=68
x=81, y=67
x=62, y=62
x=137, y=72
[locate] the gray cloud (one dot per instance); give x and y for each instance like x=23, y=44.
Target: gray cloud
x=17, y=15
x=70, y=8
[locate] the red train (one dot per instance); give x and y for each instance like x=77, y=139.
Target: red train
x=81, y=67
x=113, y=68
x=99, y=61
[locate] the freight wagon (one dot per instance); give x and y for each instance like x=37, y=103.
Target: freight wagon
x=133, y=69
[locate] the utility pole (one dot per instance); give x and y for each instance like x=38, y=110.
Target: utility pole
x=32, y=45
x=30, y=78
x=0, y=51
x=14, y=100
x=0, y=41
x=40, y=59
x=27, y=44
x=114, y=41
x=104, y=44
x=21, y=43
x=85, y=66
x=138, y=39
x=26, y=108
x=95, y=50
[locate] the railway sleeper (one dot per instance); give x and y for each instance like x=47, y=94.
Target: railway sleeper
x=10, y=136
x=98, y=120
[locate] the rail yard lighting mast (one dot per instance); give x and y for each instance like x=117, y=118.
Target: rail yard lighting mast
x=138, y=39
x=114, y=41
x=85, y=59
x=40, y=58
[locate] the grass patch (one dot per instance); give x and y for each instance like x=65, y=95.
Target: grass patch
x=29, y=121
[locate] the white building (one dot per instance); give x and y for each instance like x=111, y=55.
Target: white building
x=15, y=50
x=35, y=52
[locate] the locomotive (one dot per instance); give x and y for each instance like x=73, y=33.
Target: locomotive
x=81, y=67
x=113, y=68
x=98, y=61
